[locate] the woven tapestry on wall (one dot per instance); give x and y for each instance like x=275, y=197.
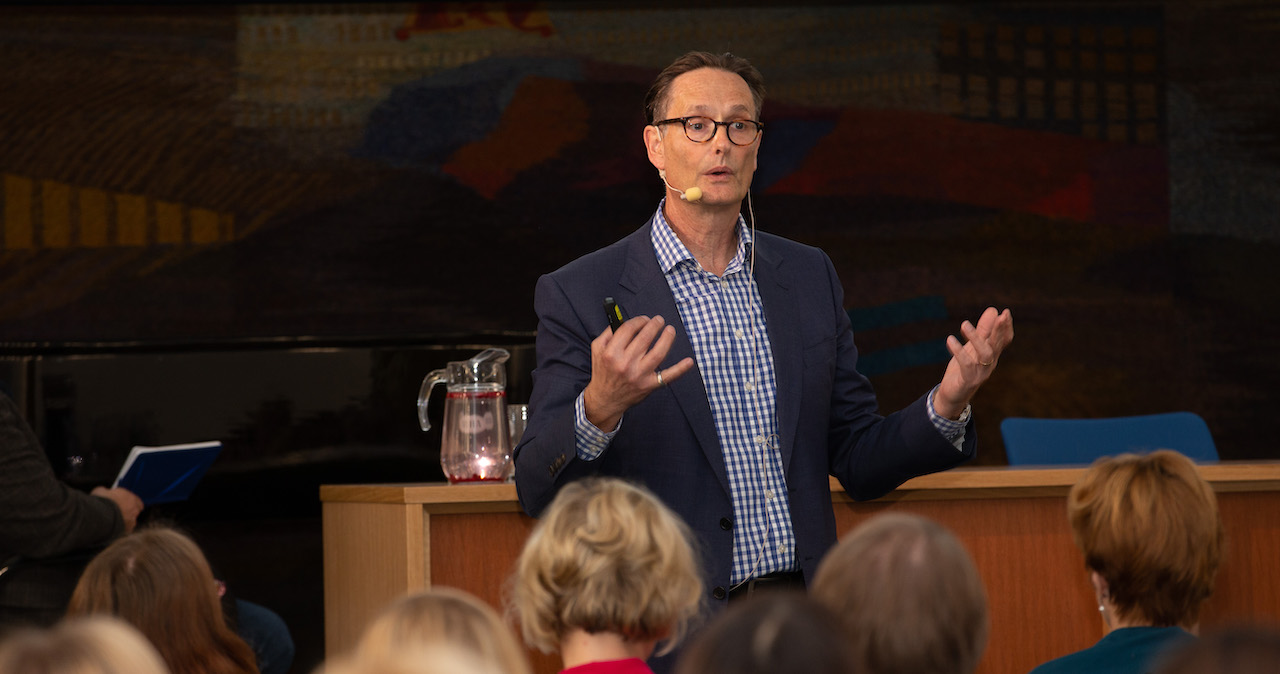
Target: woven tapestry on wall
x=232, y=171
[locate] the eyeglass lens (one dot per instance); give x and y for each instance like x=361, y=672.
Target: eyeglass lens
x=703, y=129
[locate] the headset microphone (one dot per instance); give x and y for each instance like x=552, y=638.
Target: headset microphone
x=690, y=195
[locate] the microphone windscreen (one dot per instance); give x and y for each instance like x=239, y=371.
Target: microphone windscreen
x=692, y=194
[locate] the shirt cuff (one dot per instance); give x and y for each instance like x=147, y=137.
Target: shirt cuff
x=951, y=429
x=589, y=441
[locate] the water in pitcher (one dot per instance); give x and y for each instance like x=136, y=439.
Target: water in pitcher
x=475, y=446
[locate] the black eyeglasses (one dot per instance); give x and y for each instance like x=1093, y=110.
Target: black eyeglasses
x=703, y=129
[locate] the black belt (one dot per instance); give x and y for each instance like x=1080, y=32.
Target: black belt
x=778, y=580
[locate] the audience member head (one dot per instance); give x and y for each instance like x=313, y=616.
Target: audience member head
x=421, y=658
x=444, y=615
x=158, y=580
x=91, y=645
x=784, y=632
x=1234, y=649
x=908, y=595
x=606, y=557
x=1149, y=528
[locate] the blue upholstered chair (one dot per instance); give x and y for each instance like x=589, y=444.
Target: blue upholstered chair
x=1041, y=442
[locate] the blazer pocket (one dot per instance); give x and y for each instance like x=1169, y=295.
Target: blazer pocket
x=819, y=372
x=821, y=354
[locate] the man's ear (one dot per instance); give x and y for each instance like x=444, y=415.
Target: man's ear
x=653, y=145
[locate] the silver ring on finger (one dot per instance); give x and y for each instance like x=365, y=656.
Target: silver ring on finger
x=660, y=382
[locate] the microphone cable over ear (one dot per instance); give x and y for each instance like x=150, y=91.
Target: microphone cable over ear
x=691, y=195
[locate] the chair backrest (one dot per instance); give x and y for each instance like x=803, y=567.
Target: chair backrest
x=1032, y=441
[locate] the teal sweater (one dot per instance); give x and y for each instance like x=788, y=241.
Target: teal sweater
x=1129, y=650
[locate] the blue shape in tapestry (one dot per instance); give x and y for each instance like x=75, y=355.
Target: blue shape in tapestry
x=422, y=123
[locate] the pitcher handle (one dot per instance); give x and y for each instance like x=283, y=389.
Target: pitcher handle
x=424, y=395
x=494, y=354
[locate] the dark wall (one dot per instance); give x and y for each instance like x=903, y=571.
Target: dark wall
x=292, y=415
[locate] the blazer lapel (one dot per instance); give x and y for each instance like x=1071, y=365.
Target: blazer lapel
x=788, y=357
x=646, y=292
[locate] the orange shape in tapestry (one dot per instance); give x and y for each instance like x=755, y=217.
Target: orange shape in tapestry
x=544, y=117
x=431, y=17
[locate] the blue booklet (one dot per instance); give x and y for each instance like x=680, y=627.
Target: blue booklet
x=167, y=473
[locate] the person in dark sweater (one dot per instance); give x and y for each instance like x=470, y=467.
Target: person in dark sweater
x=48, y=530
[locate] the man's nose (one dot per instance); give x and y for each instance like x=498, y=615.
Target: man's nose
x=721, y=140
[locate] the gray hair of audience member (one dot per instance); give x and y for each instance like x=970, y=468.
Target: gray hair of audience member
x=1239, y=648
x=909, y=597
x=782, y=632
x=606, y=556
x=92, y=645
x=444, y=615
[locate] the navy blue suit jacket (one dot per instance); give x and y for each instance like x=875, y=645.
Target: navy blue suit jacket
x=827, y=412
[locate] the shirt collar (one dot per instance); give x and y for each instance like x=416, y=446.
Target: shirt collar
x=671, y=251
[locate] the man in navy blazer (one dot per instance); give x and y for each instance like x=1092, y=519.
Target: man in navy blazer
x=732, y=393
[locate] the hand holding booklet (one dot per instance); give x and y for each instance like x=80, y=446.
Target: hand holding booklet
x=166, y=473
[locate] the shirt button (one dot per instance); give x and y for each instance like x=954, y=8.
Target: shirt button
x=768, y=493
x=724, y=284
x=782, y=548
x=759, y=439
x=751, y=386
x=738, y=333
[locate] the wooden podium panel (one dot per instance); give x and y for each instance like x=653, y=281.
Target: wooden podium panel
x=382, y=541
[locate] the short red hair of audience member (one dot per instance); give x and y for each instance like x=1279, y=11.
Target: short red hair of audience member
x=444, y=615
x=1152, y=539
x=908, y=595
x=785, y=632
x=158, y=580
x=607, y=574
x=90, y=645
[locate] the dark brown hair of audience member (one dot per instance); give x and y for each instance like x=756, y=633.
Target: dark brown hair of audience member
x=1232, y=649
x=909, y=597
x=158, y=580
x=655, y=101
x=1149, y=526
x=444, y=615
x=781, y=632
x=91, y=645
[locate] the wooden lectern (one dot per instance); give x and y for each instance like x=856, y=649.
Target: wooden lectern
x=382, y=541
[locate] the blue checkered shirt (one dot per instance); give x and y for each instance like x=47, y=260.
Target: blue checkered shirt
x=725, y=323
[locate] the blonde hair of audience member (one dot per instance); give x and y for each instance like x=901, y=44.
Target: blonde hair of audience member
x=444, y=615
x=786, y=632
x=421, y=658
x=908, y=595
x=608, y=565
x=1241, y=648
x=158, y=580
x=91, y=645
x=1152, y=539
